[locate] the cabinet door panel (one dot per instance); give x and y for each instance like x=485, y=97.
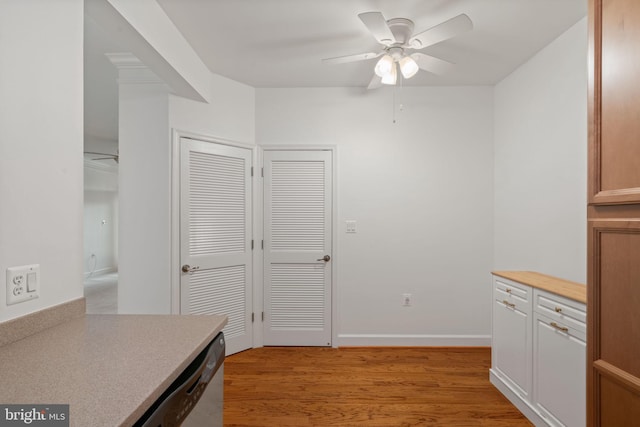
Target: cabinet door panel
x=615, y=130
x=620, y=406
x=614, y=300
x=620, y=283
x=558, y=373
x=511, y=349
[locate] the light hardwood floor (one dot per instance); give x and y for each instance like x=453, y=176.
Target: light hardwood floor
x=101, y=293
x=303, y=386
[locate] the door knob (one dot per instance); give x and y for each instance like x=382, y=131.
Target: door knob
x=188, y=269
x=325, y=258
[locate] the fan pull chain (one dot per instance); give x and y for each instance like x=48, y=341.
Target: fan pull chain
x=401, y=106
x=394, y=103
x=395, y=89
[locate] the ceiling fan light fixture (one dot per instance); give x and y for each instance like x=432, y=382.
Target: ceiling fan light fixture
x=408, y=67
x=384, y=66
x=397, y=39
x=391, y=77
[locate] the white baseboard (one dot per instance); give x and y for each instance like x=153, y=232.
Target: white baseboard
x=393, y=340
x=100, y=271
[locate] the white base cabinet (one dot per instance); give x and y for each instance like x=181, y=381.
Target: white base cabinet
x=539, y=352
x=559, y=360
x=511, y=343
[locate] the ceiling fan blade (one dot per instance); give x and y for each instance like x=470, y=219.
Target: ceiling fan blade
x=375, y=82
x=441, y=32
x=431, y=64
x=104, y=158
x=377, y=25
x=351, y=58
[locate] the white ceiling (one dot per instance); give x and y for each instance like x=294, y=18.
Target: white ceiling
x=280, y=43
x=100, y=86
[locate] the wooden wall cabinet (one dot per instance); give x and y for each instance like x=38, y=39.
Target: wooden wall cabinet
x=613, y=276
x=538, y=352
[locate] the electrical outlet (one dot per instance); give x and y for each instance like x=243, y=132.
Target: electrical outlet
x=406, y=300
x=23, y=283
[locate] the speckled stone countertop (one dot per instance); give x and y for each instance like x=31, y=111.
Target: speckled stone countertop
x=108, y=368
x=572, y=290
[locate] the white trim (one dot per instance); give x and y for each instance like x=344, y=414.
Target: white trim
x=334, y=235
x=176, y=134
x=214, y=139
x=334, y=248
x=175, y=221
x=413, y=340
x=290, y=147
x=258, y=254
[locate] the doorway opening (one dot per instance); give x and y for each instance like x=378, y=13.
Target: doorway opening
x=100, y=235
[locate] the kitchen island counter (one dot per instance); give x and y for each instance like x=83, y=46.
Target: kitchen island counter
x=108, y=368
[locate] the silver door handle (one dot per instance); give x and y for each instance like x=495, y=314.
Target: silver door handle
x=188, y=269
x=325, y=258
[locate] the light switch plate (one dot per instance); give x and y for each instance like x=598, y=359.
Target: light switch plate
x=23, y=283
x=351, y=226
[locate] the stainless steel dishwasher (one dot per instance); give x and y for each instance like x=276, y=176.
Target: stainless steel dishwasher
x=195, y=398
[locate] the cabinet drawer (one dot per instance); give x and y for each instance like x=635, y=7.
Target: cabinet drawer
x=512, y=295
x=568, y=328
x=507, y=287
x=561, y=310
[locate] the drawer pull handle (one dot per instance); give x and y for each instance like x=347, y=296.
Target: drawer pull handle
x=508, y=290
x=558, y=327
x=558, y=309
x=508, y=304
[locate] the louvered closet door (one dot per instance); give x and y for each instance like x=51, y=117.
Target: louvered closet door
x=297, y=291
x=215, y=236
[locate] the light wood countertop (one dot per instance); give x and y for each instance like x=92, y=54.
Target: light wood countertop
x=572, y=290
x=108, y=368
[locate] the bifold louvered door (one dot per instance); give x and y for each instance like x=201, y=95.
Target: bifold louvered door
x=215, y=236
x=297, y=240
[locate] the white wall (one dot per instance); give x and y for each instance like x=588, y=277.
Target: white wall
x=41, y=147
x=230, y=115
x=421, y=191
x=98, y=144
x=147, y=115
x=541, y=161
x=144, y=242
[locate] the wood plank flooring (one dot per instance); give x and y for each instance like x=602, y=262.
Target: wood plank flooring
x=311, y=386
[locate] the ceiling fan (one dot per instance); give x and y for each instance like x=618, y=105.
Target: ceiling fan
x=107, y=156
x=398, y=46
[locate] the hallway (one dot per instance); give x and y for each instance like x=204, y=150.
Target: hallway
x=101, y=293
